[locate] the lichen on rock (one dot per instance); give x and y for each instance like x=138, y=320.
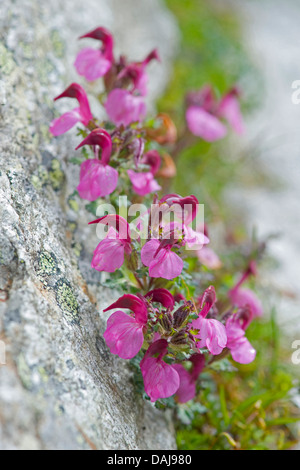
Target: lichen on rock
x=60, y=388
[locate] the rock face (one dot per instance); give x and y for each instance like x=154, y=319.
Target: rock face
x=60, y=388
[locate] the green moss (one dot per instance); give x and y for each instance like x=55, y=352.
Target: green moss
x=43, y=374
x=7, y=64
x=28, y=51
x=73, y=204
x=24, y=372
x=58, y=43
x=77, y=248
x=72, y=226
x=41, y=178
x=48, y=265
x=45, y=68
x=66, y=300
x=56, y=175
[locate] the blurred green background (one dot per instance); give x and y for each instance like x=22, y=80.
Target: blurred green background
x=254, y=408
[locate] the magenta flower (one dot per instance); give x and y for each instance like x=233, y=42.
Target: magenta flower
x=184, y=210
x=241, y=297
x=194, y=239
x=144, y=183
x=241, y=349
x=161, y=260
x=123, y=107
x=229, y=109
x=203, y=124
x=124, y=334
x=187, y=207
x=97, y=178
x=162, y=296
x=187, y=387
x=209, y=258
x=161, y=380
x=92, y=63
x=137, y=73
x=110, y=253
x=212, y=333
x=68, y=120
x=204, y=114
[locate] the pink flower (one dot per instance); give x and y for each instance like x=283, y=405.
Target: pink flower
x=187, y=387
x=212, y=333
x=240, y=297
x=92, y=63
x=144, y=183
x=162, y=296
x=157, y=253
x=97, y=178
x=161, y=380
x=229, y=109
x=161, y=260
x=185, y=207
x=209, y=258
x=241, y=350
x=137, y=73
x=123, y=107
x=194, y=239
x=124, y=334
x=204, y=114
x=203, y=124
x=68, y=120
x=110, y=253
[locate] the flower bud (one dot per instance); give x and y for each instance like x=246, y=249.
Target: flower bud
x=180, y=338
x=181, y=314
x=166, y=321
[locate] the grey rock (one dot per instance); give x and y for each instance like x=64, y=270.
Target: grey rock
x=60, y=388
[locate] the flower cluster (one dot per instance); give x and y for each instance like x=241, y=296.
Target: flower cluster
x=177, y=334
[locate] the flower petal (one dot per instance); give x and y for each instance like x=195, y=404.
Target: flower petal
x=243, y=352
x=205, y=125
x=109, y=255
x=124, y=108
x=96, y=180
x=163, y=296
x=230, y=110
x=242, y=296
x=212, y=334
x=148, y=251
x=166, y=264
x=187, y=387
x=91, y=64
x=65, y=122
x=143, y=183
x=123, y=335
x=209, y=258
x=161, y=380
x=134, y=303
